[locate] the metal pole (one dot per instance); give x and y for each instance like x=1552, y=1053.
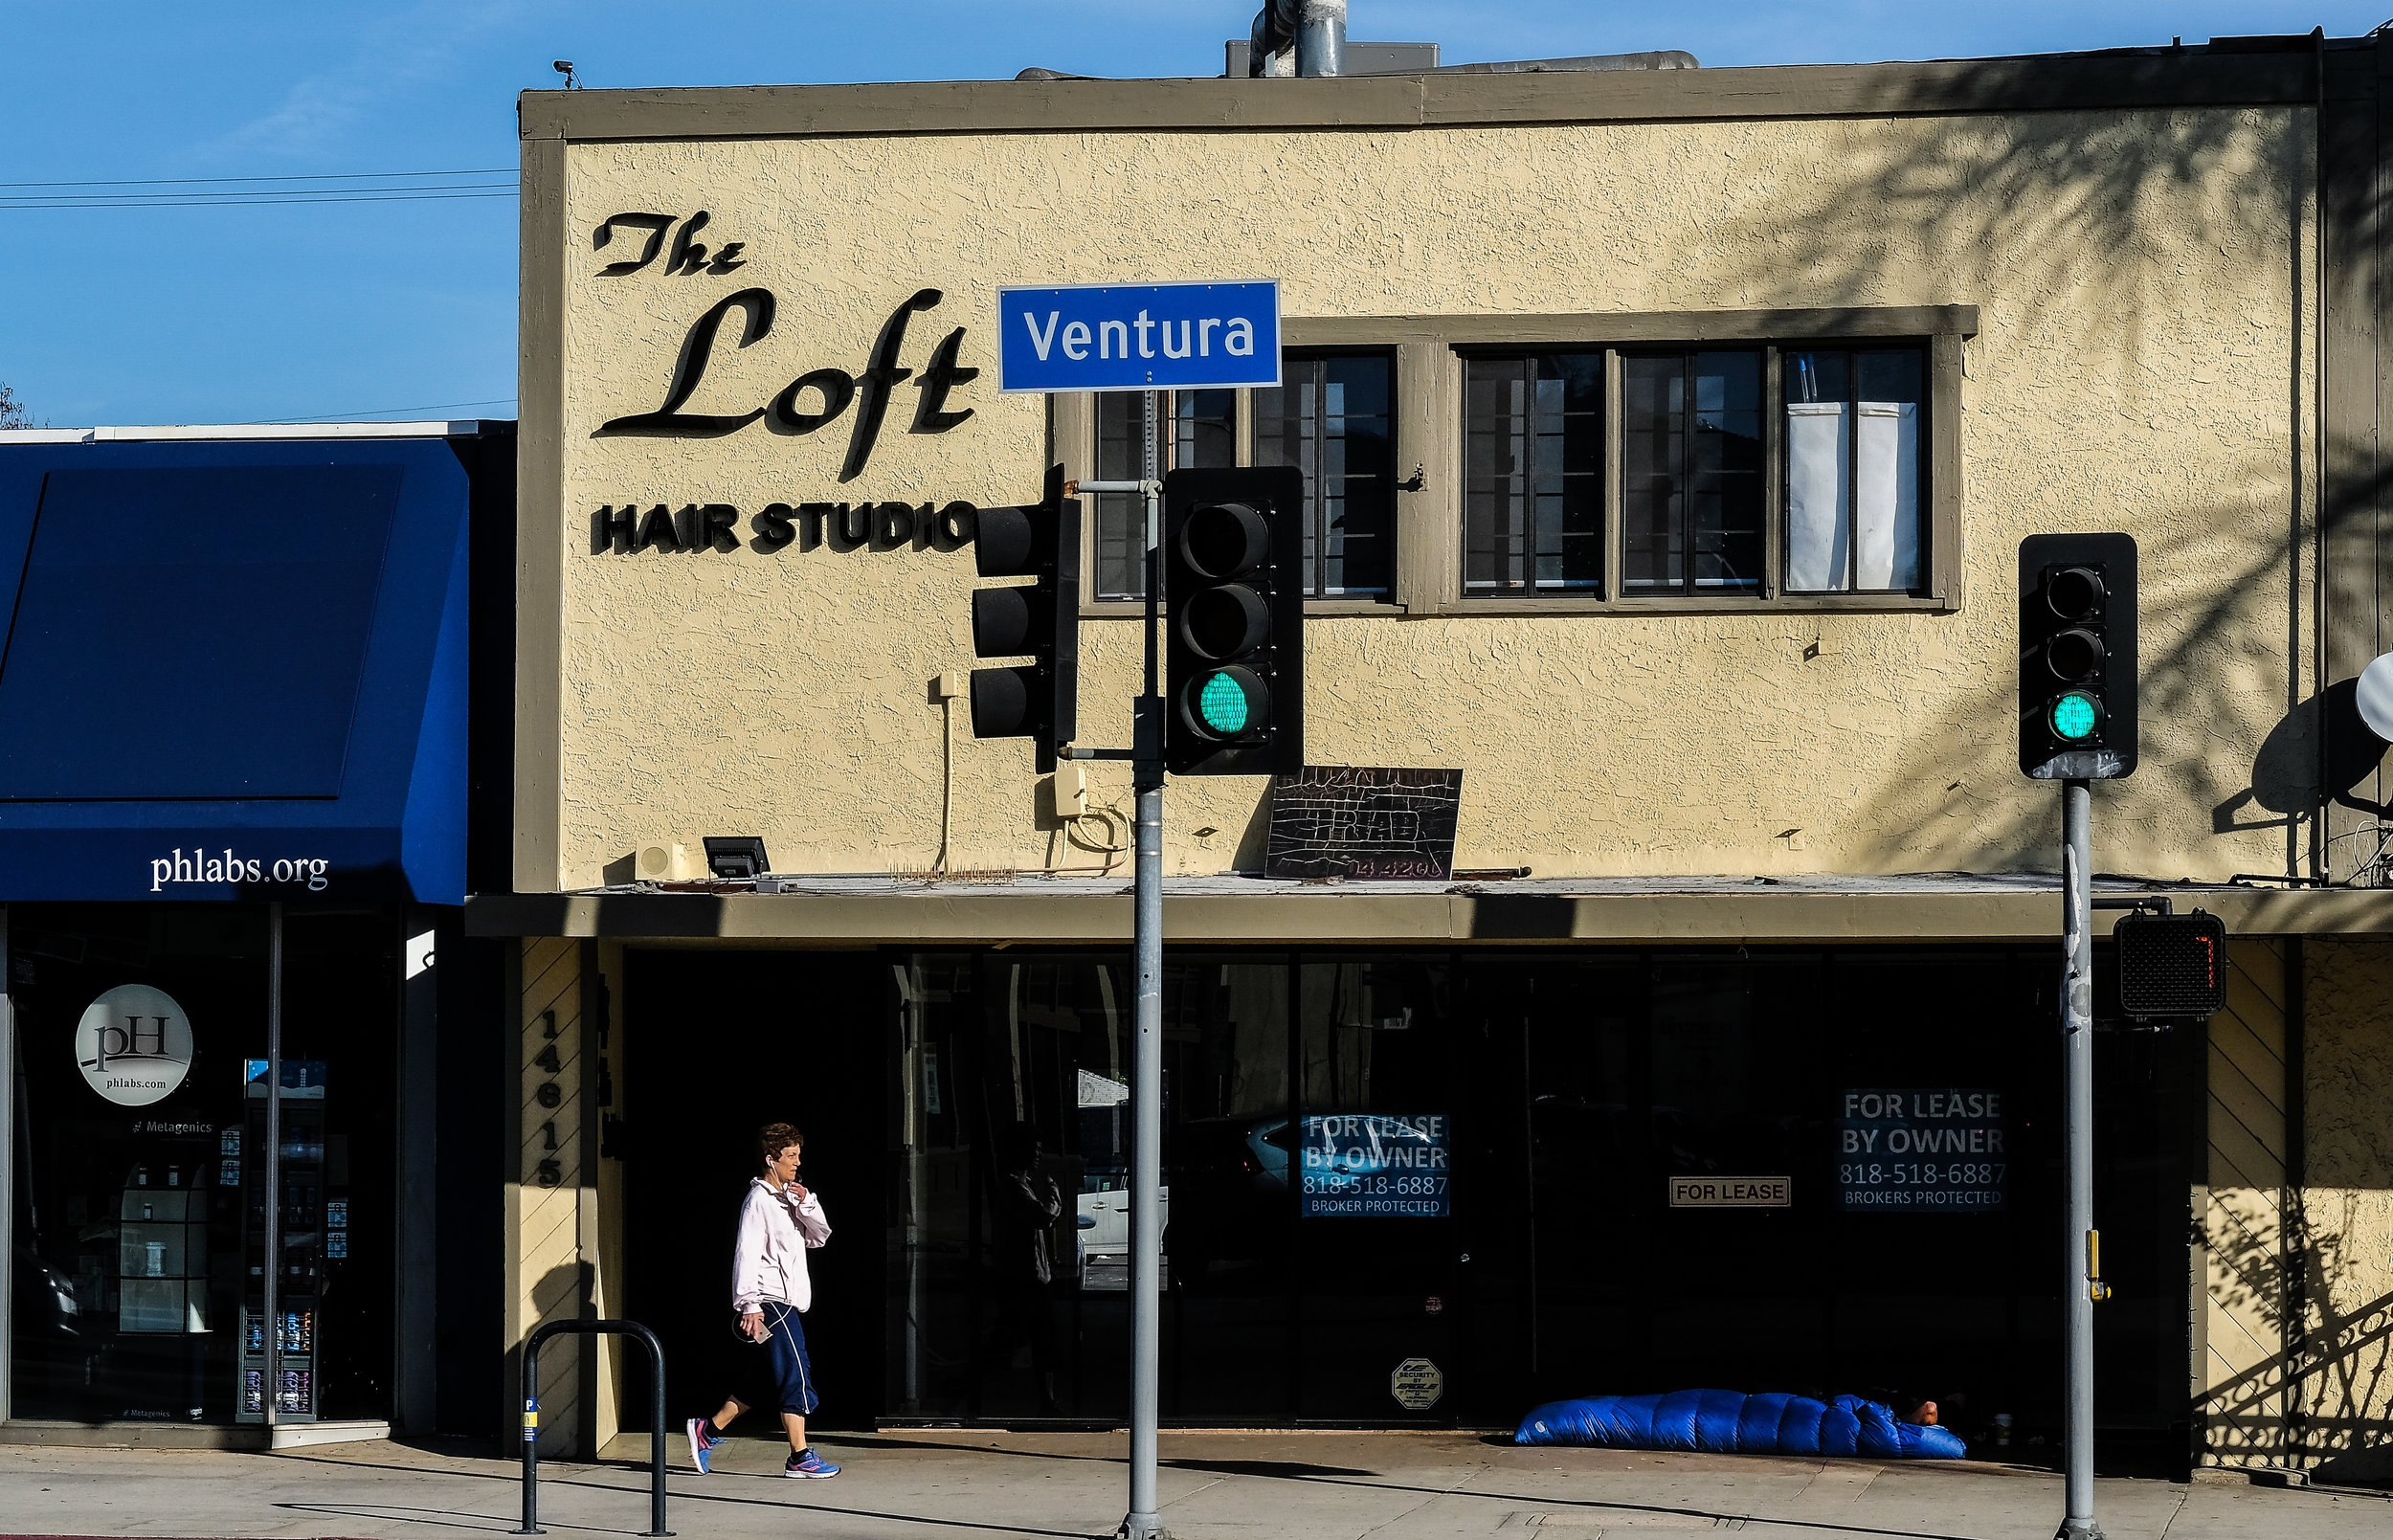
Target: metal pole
x=272, y=1341
x=656, y=1435
x=531, y=1435
x=2077, y=1087
x=1147, y=1047
x=1321, y=37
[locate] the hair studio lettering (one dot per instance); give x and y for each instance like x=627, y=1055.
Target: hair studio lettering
x=629, y=529
x=829, y=392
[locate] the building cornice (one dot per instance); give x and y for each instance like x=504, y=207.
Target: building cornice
x=2264, y=72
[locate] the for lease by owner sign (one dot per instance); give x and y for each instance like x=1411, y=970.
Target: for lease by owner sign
x=1925, y=1150
x=1138, y=337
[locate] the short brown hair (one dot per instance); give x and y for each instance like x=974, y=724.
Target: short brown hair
x=773, y=1138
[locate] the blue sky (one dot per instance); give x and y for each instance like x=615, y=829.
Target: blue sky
x=256, y=313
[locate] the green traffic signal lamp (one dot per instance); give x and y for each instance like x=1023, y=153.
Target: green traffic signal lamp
x=2074, y=717
x=1226, y=705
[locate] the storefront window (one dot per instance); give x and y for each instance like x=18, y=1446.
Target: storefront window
x=1451, y=1185
x=140, y=1176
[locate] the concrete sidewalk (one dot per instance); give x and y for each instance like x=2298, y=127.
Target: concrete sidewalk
x=964, y=1484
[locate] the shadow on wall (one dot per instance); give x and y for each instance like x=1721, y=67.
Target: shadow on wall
x=2083, y=209
x=2346, y=1365
x=558, y=1297
x=2053, y=218
x=2337, y=1376
x=2320, y=752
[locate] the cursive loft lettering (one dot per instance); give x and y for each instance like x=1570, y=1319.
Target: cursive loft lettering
x=881, y=376
x=931, y=415
x=831, y=391
x=670, y=420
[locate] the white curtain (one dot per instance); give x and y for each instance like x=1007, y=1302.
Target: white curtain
x=1886, y=496
x=1852, y=496
x=1818, y=493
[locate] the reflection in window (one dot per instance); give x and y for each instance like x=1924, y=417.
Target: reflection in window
x=1692, y=483
x=1330, y=418
x=1193, y=429
x=1852, y=469
x=1533, y=506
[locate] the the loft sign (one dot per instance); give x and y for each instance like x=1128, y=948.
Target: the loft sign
x=815, y=398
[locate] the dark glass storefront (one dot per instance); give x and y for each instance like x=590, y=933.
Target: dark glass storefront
x=1437, y=1186
x=138, y=1223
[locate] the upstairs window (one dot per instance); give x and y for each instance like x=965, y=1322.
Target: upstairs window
x=1532, y=492
x=1331, y=417
x=1691, y=472
x=1193, y=429
x=1852, y=469
x=1718, y=473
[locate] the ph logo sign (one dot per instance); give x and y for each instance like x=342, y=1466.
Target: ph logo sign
x=134, y=1045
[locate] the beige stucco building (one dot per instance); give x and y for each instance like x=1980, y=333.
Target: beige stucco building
x=1669, y=440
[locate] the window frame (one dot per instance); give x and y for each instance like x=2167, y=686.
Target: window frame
x=1072, y=442
x=1364, y=604
x=1428, y=447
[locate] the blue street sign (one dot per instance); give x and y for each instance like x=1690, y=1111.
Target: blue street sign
x=1138, y=337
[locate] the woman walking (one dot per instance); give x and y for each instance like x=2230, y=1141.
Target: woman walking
x=779, y=1223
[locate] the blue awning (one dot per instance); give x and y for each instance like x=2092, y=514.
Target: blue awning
x=234, y=669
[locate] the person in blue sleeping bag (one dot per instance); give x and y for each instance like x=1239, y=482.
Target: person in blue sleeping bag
x=1731, y=1422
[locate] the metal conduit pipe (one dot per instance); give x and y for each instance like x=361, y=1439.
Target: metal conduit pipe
x=1314, y=28
x=1321, y=37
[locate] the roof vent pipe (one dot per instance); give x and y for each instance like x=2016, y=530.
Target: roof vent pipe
x=1316, y=29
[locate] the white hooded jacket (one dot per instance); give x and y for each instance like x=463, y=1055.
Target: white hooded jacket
x=768, y=1262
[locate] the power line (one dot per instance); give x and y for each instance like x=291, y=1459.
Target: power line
x=320, y=176
x=291, y=202
x=136, y=199
x=379, y=412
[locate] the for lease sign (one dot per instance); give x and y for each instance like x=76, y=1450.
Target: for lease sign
x=1732, y=1192
x=1924, y=1149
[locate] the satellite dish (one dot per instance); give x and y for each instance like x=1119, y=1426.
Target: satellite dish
x=2376, y=697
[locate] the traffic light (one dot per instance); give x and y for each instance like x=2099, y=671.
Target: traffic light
x=2171, y=965
x=2077, y=656
x=1039, y=618
x=1234, y=589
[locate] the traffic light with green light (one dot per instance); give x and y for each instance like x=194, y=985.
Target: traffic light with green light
x=1234, y=596
x=2077, y=656
x=1038, y=619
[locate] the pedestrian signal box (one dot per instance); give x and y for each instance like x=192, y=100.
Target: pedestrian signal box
x=2171, y=965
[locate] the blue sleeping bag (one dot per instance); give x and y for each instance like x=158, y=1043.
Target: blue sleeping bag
x=1730, y=1423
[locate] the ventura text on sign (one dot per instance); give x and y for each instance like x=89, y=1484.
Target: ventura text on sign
x=1138, y=337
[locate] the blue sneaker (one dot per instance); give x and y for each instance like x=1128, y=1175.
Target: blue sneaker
x=700, y=1447
x=807, y=1462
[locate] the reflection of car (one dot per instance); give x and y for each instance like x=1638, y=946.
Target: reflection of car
x=53, y=1311
x=1249, y=1154
x=1105, y=1238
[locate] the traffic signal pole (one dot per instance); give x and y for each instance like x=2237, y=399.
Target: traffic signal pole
x=2081, y=1285
x=1146, y=1056
x=1146, y=1174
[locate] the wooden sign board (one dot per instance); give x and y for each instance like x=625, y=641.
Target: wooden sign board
x=1364, y=824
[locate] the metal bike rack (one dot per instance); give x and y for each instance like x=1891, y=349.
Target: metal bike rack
x=531, y=1419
